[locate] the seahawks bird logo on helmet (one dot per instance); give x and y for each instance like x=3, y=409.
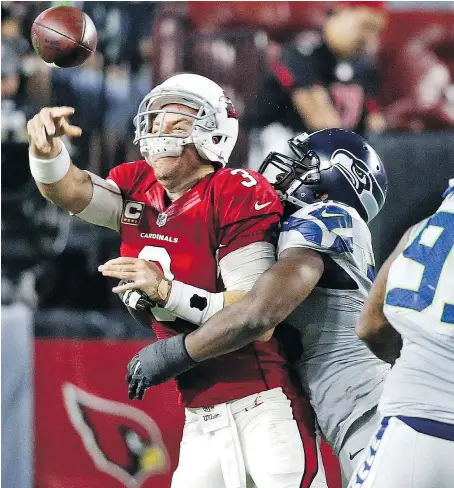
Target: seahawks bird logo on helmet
x=332, y=164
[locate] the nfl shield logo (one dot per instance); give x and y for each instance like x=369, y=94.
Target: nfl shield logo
x=161, y=220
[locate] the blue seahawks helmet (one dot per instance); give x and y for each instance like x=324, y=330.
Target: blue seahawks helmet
x=333, y=162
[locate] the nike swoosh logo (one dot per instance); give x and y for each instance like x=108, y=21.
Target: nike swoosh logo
x=258, y=206
x=326, y=214
x=356, y=453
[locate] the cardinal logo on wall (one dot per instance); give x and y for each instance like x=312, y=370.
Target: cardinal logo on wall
x=122, y=440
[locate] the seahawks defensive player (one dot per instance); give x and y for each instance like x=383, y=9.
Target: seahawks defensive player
x=333, y=186
x=413, y=299
x=340, y=184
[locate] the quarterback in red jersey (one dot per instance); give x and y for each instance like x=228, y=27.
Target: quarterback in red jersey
x=198, y=235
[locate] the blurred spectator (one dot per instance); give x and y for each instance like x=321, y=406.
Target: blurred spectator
x=422, y=97
x=14, y=48
x=323, y=79
x=25, y=78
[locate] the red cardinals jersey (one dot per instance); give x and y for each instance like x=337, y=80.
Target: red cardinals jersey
x=225, y=211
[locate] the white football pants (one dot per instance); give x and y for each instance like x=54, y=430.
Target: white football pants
x=355, y=444
x=400, y=457
x=253, y=442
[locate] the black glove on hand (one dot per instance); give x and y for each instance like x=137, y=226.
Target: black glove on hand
x=136, y=380
x=157, y=363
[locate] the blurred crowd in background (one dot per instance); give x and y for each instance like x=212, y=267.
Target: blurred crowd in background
x=265, y=54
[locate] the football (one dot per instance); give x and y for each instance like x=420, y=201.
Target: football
x=64, y=37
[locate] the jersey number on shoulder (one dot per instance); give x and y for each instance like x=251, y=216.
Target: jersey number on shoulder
x=430, y=250
x=161, y=256
x=248, y=180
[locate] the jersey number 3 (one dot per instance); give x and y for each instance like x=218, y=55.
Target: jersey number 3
x=431, y=250
x=248, y=179
x=161, y=256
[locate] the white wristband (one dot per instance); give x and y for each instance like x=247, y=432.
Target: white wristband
x=50, y=170
x=193, y=304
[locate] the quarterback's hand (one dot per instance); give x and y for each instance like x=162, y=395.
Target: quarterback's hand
x=141, y=275
x=135, y=299
x=46, y=127
x=157, y=363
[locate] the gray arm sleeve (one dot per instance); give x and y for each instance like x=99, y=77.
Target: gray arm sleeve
x=106, y=204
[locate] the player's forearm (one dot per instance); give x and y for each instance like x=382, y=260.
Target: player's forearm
x=269, y=302
x=386, y=343
x=72, y=193
x=252, y=318
x=240, y=269
x=204, y=305
x=277, y=292
x=229, y=330
x=373, y=326
x=59, y=180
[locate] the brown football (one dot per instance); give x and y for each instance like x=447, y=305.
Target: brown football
x=64, y=36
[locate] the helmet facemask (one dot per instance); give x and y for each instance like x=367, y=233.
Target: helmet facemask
x=204, y=133
x=287, y=174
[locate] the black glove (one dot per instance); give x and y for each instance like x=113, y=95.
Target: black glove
x=156, y=364
x=135, y=379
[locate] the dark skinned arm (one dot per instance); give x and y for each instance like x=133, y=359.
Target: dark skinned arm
x=373, y=327
x=273, y=297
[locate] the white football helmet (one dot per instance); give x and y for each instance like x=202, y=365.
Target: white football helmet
x=215, y=129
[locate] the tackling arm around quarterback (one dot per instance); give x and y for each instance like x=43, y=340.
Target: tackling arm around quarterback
x=273, y=297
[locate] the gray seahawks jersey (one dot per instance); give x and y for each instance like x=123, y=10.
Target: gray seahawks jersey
x=341, y=376
x=419, y=304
